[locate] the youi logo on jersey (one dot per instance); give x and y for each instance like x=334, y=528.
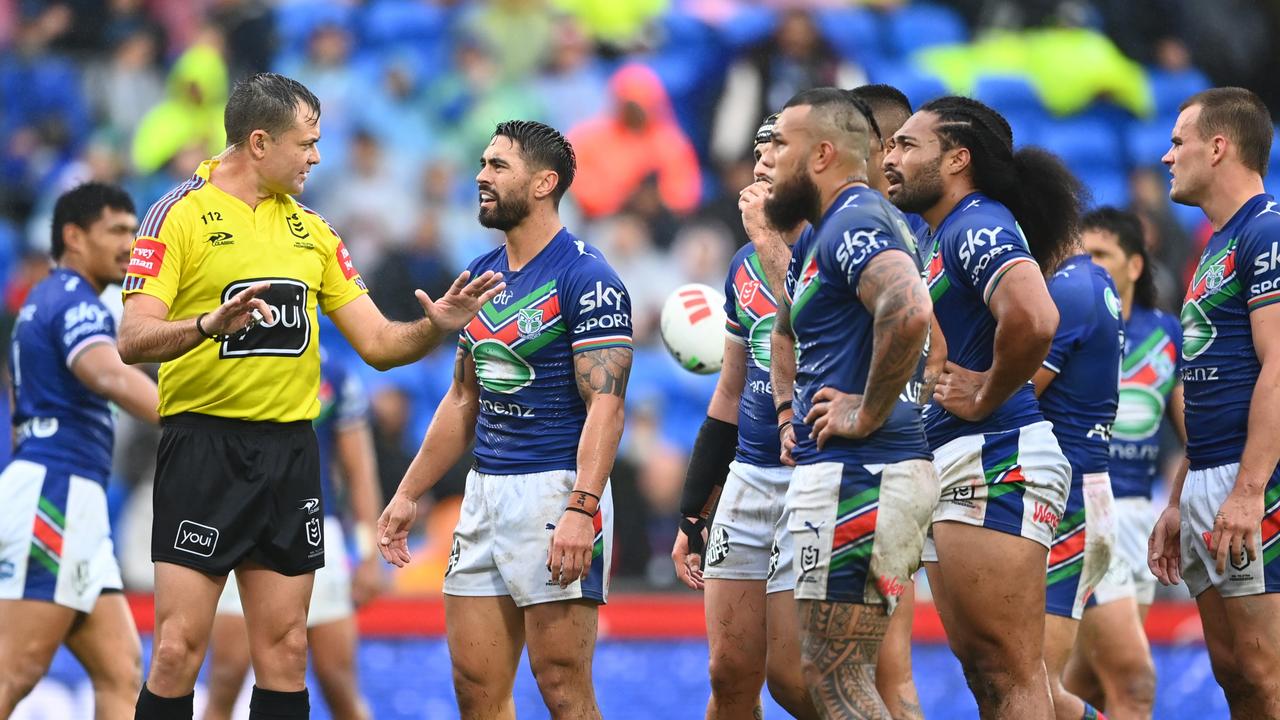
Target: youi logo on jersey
x=286, y=334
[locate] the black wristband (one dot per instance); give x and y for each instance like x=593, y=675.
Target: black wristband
x=693, y=530
x=200, y=329
x=714, y=449
x=579, y=510
x=783, y=406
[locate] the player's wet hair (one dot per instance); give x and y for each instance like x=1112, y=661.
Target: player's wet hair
x=543, y=148
x=82, y=206
x=1240, y=116
x=266, y=101
x=839, y=110
x=887, y=103
x=1128, y=231
x=1043, y=195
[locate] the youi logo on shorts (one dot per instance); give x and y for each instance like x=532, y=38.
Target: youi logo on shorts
x=196, y=539
x=288, y=332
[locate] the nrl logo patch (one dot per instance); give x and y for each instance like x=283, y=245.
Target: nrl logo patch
x=529, y=322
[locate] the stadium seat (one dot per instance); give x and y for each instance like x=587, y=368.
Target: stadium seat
x=295, y=22
x=1170, y=89
x=1010, y=95
x=1107, y=188
x=746, y=26
x=919, y=87
x=1085, y=144
x=1147, y=142
x=920, y=25
x=852, y=32
x=386, y=23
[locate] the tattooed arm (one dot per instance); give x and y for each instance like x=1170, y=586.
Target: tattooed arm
x=892, y=291
x=448, y=436
x=934, y=363
x=602, y=382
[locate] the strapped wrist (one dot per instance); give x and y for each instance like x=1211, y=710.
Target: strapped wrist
x=205, y=334
x=584, y=501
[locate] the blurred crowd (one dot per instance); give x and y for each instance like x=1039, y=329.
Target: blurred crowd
x=660, y=98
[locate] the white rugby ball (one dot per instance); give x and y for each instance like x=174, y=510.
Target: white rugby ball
x=692, y=328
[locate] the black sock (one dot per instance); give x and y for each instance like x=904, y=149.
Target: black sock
x=275, y=705
x=153, y=707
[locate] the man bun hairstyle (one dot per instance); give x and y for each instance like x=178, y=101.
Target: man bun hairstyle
x=543, y=148
x=82, y=206
x=1240, y=116
x=1043, y=195
x=266, y=101
x=1128, y=231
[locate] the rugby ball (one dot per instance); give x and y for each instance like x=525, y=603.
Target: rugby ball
x=692, y=328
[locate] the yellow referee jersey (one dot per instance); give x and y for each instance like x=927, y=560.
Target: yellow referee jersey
x=196, y=248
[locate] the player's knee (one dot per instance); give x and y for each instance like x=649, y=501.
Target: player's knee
x=1254, y=673
x=561, y=682
x=122, y=676
x=334, y=671
x=17, y=680
x=176, y=656
x=784, y=681
x=289, y=651
x=1133, y=684
x=992, y=676
x=475, y=689
x=734, y=675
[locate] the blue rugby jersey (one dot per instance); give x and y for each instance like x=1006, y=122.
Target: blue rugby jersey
x=343, y=403
x=972, y=249
x=834, y=331
x=1148, y=375
x=1081, y=401
x=750, y=310
x=59, y=421
x=564, y=301
x=1239, y=272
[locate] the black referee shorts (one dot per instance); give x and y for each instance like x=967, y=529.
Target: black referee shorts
x=227, y=490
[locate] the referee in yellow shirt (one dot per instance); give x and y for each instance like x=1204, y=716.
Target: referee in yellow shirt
x=224, y=281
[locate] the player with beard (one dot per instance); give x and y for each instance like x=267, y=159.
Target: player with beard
x=886, y=108
x=1221, y=530
x=539, y=383
x=1111, y=664
x=59, y=579
x=736, y=471
x=997, y=216
x=863, y=490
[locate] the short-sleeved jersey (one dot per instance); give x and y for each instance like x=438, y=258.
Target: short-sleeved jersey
x=58, y=420
x=1148, y=375
x=972, y=249
x=1238, y=273
x=750, y=310
x=196, y=248
x=1081, y=401
x=565, y=301
x=834, y=330
x=344, y=403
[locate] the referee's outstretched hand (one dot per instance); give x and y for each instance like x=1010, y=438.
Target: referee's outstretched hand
x=236, y=315
x=393, y=529
x=463, y=300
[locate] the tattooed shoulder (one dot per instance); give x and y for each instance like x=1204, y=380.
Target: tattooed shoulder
x=603, y=372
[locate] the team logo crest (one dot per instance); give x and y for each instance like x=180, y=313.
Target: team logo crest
x=1213, y=278
x=773, y=562
x=718, y=546
x=313, y=532
x=808, y=558
x=529, y=322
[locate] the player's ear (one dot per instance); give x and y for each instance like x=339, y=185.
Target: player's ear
x=545, y=183
x=257, y=143
x=1134, y=267
x=956, y=160
x=73, y=237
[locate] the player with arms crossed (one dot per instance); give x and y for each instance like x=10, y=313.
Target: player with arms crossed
x=59, y=580
x=539, y=383
x=863, y=489
x=345, y=442
x=1111, y=665
x=1222, y=524
x=997, y=216
x=752, y=628
x=225, y=279
x=1078, y=385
